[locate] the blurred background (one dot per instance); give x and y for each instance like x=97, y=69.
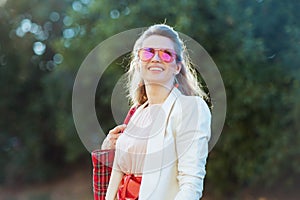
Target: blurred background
x=254, y=43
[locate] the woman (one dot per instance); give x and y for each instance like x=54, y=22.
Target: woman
x=162, y=152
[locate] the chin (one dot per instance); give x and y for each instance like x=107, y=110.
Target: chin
x=158, y=83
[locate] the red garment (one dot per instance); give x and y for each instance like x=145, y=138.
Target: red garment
x=102, y=165
x=129, y=187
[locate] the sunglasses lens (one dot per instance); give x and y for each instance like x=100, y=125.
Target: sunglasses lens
x=146, y=54
x=166, y=56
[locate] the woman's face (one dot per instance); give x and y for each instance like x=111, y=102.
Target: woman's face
x=156, y=70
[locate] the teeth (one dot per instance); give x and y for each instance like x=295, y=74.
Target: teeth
x=155, y=69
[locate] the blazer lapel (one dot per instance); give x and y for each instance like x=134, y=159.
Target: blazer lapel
x=154, y=157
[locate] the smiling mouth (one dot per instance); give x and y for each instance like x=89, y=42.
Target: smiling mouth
x=156, y=69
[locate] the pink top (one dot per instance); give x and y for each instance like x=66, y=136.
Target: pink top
x=131, y=146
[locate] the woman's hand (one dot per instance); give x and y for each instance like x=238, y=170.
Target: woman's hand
x=112, y=136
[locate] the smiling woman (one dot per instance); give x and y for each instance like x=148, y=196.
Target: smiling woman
x=162, y=151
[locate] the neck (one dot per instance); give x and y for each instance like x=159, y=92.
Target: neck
x=156, y=93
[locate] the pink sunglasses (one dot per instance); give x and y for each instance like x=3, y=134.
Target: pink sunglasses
x=166, y=55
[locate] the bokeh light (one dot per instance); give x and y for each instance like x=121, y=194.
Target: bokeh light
x=114, y=14
x=39, y=48
x=69, y=33
x=54, y=16
x=58, y=58
x=77, y=6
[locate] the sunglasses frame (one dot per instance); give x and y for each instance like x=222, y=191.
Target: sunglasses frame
x=160, y=51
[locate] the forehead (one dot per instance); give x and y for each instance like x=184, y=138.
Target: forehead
x=157, y=41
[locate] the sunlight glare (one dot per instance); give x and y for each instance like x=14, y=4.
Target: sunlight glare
x=2, y=2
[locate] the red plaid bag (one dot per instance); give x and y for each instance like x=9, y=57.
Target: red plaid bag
x=102, y=165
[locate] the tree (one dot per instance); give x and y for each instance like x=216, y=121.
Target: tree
x=31, y=149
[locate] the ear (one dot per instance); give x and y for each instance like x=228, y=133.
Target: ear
x=178, y=68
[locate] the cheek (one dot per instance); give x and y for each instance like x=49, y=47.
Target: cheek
x=142, y=69
x=173, y=68
x=143, y=66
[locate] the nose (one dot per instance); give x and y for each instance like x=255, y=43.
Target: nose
x=156, y=57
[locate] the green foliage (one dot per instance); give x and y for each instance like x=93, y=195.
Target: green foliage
x=30, y=149
x=254, y=43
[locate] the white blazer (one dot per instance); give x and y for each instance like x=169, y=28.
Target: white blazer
x=177, y=150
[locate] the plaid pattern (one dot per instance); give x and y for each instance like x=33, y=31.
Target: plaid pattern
x=102, y=165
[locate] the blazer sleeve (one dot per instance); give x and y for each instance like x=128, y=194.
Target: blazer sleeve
x=192, y=133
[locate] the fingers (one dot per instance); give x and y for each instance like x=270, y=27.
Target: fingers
x=111, y=139
x=117, y=129
x=109, y=142
x=115, y=133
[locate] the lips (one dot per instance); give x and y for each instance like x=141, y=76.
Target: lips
x=155, y=68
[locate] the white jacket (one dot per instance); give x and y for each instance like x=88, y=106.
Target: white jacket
x=174, y=166
x=177, y=149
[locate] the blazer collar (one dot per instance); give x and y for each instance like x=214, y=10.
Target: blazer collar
x=166, y=106
x=154, y=157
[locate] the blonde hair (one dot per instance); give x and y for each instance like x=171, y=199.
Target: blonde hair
x=186, y=78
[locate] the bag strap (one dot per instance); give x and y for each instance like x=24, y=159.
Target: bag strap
x=130, y=114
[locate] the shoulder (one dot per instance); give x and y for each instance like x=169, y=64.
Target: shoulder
x=191, y=113
x=191, y=104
